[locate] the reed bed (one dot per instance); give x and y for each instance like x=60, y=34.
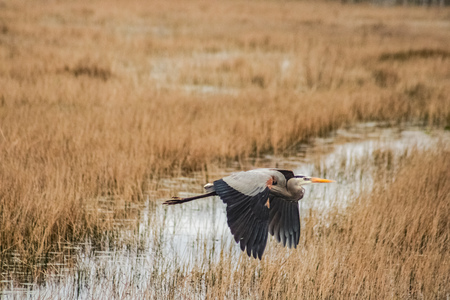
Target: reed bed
x=100, y=99
x=388, y=241
x=391, y=244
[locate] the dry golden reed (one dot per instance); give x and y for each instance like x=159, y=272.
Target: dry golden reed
x=99, y=98
x=392, y=243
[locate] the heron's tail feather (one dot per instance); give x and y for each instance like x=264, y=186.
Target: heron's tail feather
x=176, y=200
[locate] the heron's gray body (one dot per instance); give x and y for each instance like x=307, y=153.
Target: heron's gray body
x=259, y=202
x=253, y=182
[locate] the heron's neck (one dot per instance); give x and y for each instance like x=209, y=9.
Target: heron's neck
x=288, y=194
x=298, y=194
x=295, y=190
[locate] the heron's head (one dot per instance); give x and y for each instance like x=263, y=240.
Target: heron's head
x=305, y=180
x=295, y=185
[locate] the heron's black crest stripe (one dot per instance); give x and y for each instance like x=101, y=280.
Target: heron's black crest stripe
x=288, y=174
x=247, y=216
x=284, y=223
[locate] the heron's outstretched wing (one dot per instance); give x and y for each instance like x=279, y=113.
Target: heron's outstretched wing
x=284, y=221
x=246, y=195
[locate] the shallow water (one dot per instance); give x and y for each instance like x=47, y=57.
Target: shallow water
x=165, y=239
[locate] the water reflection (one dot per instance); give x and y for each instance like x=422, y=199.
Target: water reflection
x=164, y=239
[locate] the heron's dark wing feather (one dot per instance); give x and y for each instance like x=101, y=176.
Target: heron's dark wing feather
x=247, y=215
x=284, y=221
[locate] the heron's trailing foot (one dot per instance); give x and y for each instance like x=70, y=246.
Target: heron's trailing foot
x=178, y=200
x=175, y=200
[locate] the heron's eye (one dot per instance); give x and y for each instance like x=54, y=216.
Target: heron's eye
x=274, y=182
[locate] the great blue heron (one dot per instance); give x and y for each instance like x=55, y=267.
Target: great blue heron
x=260, y=201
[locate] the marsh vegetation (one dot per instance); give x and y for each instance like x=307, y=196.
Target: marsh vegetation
x=102, y=103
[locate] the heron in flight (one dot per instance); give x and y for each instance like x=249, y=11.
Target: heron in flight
x=259, y=202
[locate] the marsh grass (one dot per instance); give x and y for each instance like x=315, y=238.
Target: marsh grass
x=101, y=99
x=391, y=243
x=387, y=241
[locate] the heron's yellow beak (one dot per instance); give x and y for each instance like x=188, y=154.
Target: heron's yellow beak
x=320, y=180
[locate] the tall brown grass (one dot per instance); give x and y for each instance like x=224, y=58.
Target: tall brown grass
x=391, y=243
x=99, y=99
